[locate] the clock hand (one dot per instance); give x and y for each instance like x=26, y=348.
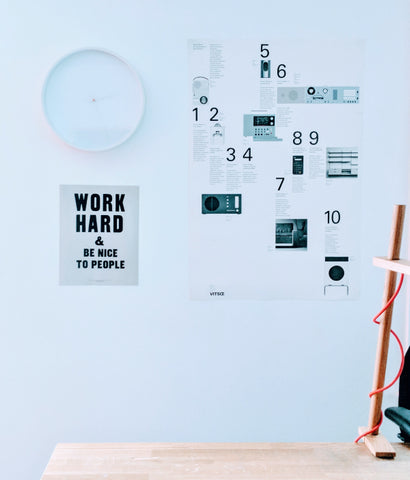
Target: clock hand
x=97, y=99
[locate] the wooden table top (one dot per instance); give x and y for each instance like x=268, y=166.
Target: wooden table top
x=224, y=461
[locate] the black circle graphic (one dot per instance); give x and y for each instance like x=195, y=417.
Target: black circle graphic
x=336, y=273
x=211, y=204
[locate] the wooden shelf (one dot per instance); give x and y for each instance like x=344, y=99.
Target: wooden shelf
x=399, y=266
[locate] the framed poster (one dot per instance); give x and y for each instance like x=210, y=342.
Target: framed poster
x=99, y=235
x=275, y=169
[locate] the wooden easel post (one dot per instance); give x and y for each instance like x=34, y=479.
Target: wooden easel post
x=376, y=443
x=385, y=321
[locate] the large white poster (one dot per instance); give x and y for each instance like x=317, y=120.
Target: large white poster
x=99, y=235
x=275, y=169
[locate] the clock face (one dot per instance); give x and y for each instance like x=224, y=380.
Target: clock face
x=93, y=100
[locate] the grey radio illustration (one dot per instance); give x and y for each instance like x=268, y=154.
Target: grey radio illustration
x=336, y=276
x=260, y=127
x=318, y=94
x=200, y=90
x=222, y=203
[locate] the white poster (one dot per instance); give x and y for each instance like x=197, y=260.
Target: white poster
x=99, y=235
x=275, y=169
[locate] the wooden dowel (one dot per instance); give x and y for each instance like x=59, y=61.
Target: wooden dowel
x=385, y=319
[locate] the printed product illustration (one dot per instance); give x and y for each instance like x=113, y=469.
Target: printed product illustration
x=291, y=233
x=342, y=162
x=217, y=134
x=265, y=68
x=260, y=127
x=336, y=276
x=217, y=203
x=318, y=94
x=200, y=88
x=297, y=165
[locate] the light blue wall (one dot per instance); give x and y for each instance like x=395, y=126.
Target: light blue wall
x=89, y=364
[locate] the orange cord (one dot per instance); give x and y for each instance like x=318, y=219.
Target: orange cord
x=382, y=389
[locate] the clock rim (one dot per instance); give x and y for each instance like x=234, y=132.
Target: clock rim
x=138, y=83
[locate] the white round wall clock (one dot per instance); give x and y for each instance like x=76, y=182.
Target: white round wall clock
x=93, y=100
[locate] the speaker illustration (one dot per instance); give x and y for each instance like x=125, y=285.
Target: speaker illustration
x=260, y=127
x=314, y=94
x=225, y=203
x=200, y=90
x=336, y=277
x=291, y=94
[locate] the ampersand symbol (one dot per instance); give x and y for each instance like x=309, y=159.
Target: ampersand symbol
x=99, y=241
